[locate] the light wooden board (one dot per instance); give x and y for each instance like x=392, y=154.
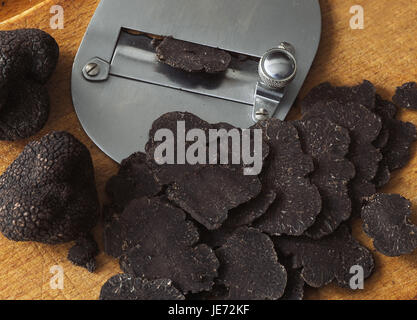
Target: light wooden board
x=384, y=52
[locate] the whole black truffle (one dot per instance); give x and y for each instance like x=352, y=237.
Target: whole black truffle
x=48, y=195
x=27, y=60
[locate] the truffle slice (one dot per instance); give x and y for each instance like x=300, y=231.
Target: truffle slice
x=207, y=192
x=48, y=193
x=406, y=96
x=179, y=123
x=210, y=193
x=84, y=252
x=327, y=259
x=192, y=57
x=295, y=282
x=29, y=57
x=328, y=144
x=394, y=141
x=396, y=152
x=287, y=173
x=248, y=212
x=126, y=287
x=250, y=267
x=362, y=94
x=386, y=221
x=364, y=127
x=165, y=246
x=134, y=180
x=386, y=110
x=383, y=175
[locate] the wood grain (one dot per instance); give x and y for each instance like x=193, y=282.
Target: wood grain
x=385, y=52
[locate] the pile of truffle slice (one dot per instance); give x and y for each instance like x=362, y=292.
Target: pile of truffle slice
x=210, y=232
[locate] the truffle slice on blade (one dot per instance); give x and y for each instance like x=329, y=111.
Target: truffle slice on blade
x=406, y=96
x=192, y=57
x=48, y=193
x=328, y=144
x=126, y=287
x=386, y=221
x=161, y=243
x=250, y=267
x=327, y=259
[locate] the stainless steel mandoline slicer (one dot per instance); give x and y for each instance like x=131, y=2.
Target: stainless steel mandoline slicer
x=119, y=88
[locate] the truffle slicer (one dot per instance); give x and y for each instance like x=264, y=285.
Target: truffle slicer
x=119, y=88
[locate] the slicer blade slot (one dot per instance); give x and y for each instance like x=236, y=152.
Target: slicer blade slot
x=134, y=58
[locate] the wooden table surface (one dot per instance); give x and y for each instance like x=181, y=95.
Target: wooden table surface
x=384, y=52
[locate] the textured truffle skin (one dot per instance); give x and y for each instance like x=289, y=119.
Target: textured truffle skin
x=386, y=219
x=406, y=96
x=127, y=287
x=192, y=57
x=28, y=58
x=48, y=193
x=84, y=252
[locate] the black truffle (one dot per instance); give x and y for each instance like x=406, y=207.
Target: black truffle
x=48, y=193
x=192, y=57
x=386, y=220
x=362, y=94
x=394, y=141
x=250, y=267
x=134, y=180
x=210, y=193
x=204, y=190
x=126, y=287
x=84, y=252
x=158, y=242
x=328, y=144
x=406, y=96
x=286, y=172
x=327, y=259
x=364, y=127
x=294, y=289
x=396, y=151
x=28, y=59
